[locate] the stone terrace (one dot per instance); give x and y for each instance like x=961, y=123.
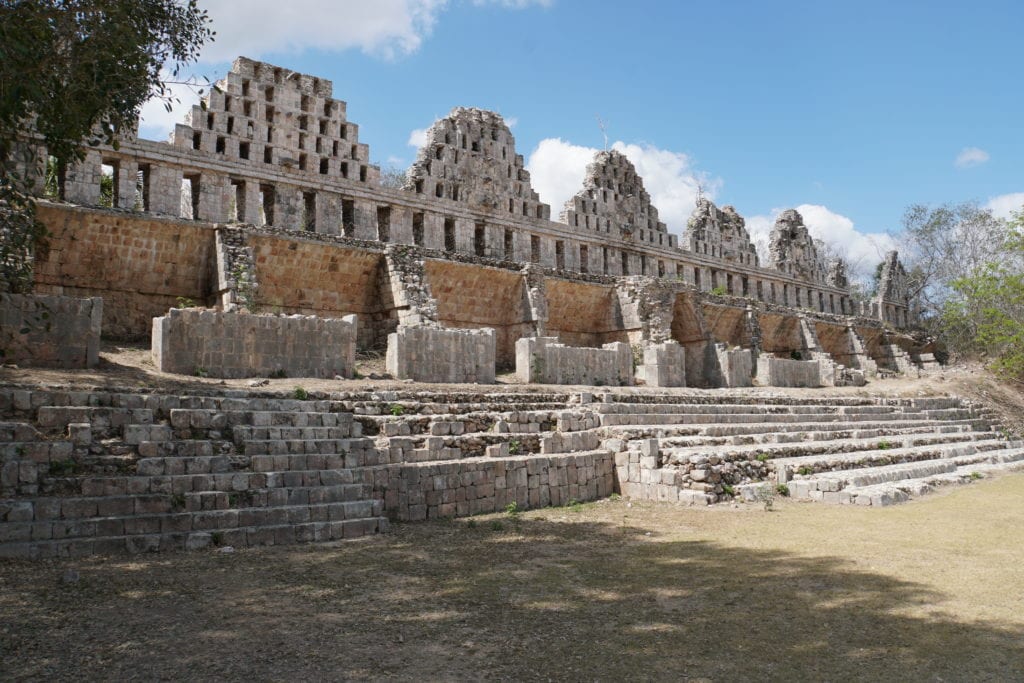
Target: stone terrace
x=122, y=471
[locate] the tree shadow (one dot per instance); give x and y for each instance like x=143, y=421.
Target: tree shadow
x=534, y=599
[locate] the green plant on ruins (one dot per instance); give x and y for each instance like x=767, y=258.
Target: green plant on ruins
x=300, y=393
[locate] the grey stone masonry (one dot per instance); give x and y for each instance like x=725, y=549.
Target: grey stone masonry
x=736, y=366
x=543, y=360
x=470, y=156
x=784, y=372
x=613, y=202
x=236, y=344
x=432, y=354
x=664, y=365
x=794, y=251
x=50, y=331
x=721, y=233
x=892, y=303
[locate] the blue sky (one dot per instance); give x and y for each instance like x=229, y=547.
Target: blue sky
x=849, y=111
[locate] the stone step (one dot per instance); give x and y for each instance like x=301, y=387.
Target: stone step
x=182, y=531
x=833, y=482
x=782, y=453
x=418, y=409
x=758, y=398
x=188, y=418
x=102, y=420
x=881, y=495
x=781, y=429
x=839, y=432
x=242, y=435
x=280, y=488
x=17, y=431
x=776, y=418
x=744, y=408
x=858, y=460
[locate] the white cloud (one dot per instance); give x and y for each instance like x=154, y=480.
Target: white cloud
x=862, y=251
x=970, y=157
x=1003, y=206
x=417, y=138
x=557, y=169
x=383, y=28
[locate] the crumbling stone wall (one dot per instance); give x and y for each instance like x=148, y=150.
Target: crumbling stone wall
x=793, y=250
x=892, y=302
x=583, y=313
x=50, y=331
x=613, y=202
x=664, y=365
x=236, y=344
x=470, y=157
x=720, y=233
x=430, y=354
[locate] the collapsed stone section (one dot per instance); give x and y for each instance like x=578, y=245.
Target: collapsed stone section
x=470, y=156
x=613, y=201
x=892, y=303
x=793, y=250
x=720, y=233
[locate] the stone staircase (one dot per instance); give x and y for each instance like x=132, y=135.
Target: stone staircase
x=108, y=471
x=87, y=472
x=845, y=450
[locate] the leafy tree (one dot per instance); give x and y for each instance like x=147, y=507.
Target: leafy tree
x=942, y=245
x=988, y=308
x=76, y=72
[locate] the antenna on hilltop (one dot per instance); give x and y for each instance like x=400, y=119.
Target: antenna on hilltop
x=604, y=130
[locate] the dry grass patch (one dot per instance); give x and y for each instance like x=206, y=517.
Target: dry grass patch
x=604, y=591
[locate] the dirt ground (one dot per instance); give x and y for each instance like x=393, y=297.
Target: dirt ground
x=926, y=591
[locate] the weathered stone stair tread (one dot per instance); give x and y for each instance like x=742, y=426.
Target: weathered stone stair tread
x=791, y=437
x=771, y=418
x=845, y=462
x=727, y=429
x=840, y=479
x=787, y=452
x=726, y=398
x=240, y=536
x=889, y=493
x=747, y=408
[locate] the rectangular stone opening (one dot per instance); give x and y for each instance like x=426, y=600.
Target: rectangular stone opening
x=302, y=162
x=142, y=187
x=480, y=239
x=661, y=268
x=745, y=285
x=535, y=248
x=268, y=155
x=624, y=257
x=324, y=166
x=243, y=150
x=231, y=125
x=268, y=93
x=343, y=167
x=643, y=264
x=449, y=234
x=308, y=219
x=109, y=177
x=190, y=196
x=508, y=245
x=267, y=204
x=439, y=190
x=236, y=211
x=560, y=254
x=696, y=277
x=417, y=229
x=348, y=217
x=584, y=258
x=209, y=121
x=384, y=223
x=197, y=140
x=362, y=174
x=604, y=259
x=221, y=144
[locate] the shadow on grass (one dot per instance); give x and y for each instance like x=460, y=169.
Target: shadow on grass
x=534, y=599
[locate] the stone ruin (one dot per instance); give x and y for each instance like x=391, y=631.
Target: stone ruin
x=287, y=256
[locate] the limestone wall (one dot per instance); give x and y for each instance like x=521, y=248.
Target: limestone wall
x=736, y=366
x=664, y=365
x=783, y=372
x=140, y=265
x=582, y=314
x=543, y=360
x=431, y=354
x=438, y=490
x=50, y=331
x=233, y=344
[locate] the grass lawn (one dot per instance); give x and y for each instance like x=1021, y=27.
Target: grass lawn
x=931, y=590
